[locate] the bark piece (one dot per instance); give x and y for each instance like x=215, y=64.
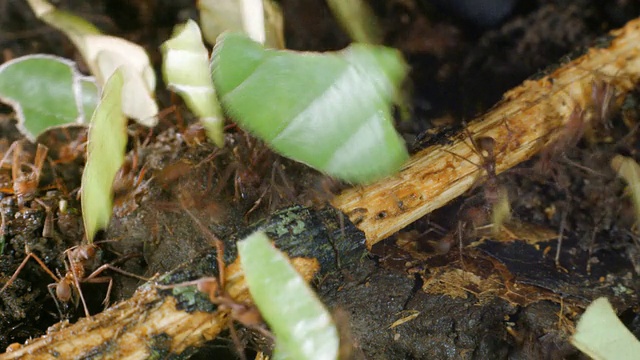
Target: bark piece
x=167, y=323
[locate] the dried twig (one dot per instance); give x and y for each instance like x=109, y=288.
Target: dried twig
x=529, y=117
x=157, y=322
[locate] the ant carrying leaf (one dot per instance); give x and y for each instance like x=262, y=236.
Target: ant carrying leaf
x=218, y=291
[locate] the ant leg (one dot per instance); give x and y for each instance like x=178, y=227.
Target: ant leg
x=16, y=172
x=256, y=204
x=72, y=268
x=104, y=267
x=40, y=158
x=93, y=278
x=236, y=342
x=219, y=245
x=6, y=154
x=23, y=264
x=102, y=280
x=563, y=222
x=52, y=291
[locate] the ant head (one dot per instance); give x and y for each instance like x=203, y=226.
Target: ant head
x=82, y=252
x=486, y=144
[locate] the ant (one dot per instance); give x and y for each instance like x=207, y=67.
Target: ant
x=495, y=195
x=62, y=290
x=246, y=168
x=258, y=174
x=25, y=185
x=127, y=186
x=569, y=137
x=580, y=122
x=73, y=148
x=218, y=292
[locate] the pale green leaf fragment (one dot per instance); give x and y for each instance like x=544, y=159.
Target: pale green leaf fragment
x=46, y=92
x=357, y=18
x=73, y=26
x=185, y=68
x=331, y=111
x=103, y=54
x=109, y=53
x=262, y=20
x=628, y=169
x=302, y=325
x=602, y=336
x=105, y=155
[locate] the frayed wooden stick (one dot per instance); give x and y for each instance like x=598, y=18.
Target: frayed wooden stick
x=527, y=119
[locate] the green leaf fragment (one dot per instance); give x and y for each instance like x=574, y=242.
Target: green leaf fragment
x=186, y=71
x=602, y=336
x=46, y=92
x=302, y=325
x=107, y=141
x=103, y=54
x=330, y=111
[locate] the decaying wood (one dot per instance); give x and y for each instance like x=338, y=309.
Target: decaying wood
x=158, y=323
x=161, y=321
x=142, y=327
x=149, y=325
x=528, y=118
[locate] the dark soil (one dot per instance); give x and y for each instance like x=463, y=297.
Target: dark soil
x=522, y=306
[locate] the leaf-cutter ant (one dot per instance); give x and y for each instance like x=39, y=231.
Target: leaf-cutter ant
x=217, y=291
x=67, y=288
x=25, y=184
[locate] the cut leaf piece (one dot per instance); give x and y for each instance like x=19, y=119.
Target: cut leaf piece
x=302, y=325
x=330, y=111
x=46, y=91
x=105, y=155
x=261, y=19
x=186, y=70
x=602, y=336
x=107, y=53
x=103, y=54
